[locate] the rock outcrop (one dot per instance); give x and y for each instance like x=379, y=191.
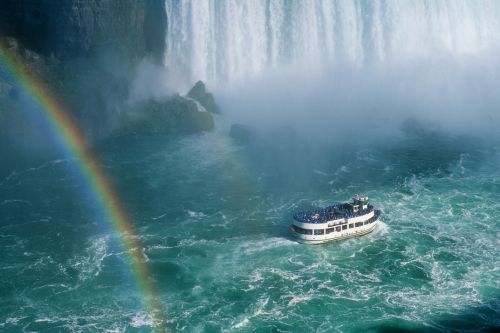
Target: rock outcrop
x=87, y=53
x=175, y=115
x=199, y=93
x=242, y=134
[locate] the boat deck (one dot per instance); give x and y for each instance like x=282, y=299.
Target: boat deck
x=334, y=212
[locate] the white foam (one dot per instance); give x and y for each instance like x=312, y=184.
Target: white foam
x=13, y=320
x=160, y=247
x=344, y=169
x=319, y=172
x=199, y=107
x=298, y=299
x=285, y=275
x=256, y=276
x=382, y=228
x=252, y=247
x=43, y=261
x=141, y=319
x=90, y=264
x=144, y=255
x=196, y=290
x=242, y=323
x=195, y=214
x=44, y=320
x=159, y=216
x=193, y=242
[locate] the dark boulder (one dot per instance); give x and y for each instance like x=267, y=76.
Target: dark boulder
x=199, y=93
x=176, y=115
x=241, y=133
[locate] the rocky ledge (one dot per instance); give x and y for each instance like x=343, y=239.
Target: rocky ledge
x=174, y=115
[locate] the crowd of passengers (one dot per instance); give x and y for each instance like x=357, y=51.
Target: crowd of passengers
x=330, y=213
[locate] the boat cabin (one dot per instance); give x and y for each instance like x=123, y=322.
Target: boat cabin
x=334, y=222
x=359, y=202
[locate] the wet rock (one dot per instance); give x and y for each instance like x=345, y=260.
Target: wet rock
x=241, y=133
x=199, y=93
x=75, y=28
x=176, y=115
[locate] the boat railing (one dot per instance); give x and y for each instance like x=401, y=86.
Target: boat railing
x=335, y=212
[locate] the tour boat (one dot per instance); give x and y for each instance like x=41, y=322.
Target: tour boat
x=335, y=222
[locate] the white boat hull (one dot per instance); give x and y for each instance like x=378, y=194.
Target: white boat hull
x=334, y=236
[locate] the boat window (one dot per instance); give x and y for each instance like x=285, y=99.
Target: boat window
x=319, y=231
x=359, y=224
x=367, y=222
x=329, y=230
x=339, y=228
x=344, y=227
x=351, y=226
x=302, y=231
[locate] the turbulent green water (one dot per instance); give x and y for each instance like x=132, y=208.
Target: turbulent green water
x=213, y=220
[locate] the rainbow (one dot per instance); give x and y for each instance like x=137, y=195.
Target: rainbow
x=93, y=174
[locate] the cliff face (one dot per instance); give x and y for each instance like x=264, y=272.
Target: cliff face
x=87, y=50
x=76, y=28
x=88, y=54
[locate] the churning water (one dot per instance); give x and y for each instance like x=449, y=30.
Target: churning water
x=213, y=216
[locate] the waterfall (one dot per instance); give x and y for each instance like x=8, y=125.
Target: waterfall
x=227, y=40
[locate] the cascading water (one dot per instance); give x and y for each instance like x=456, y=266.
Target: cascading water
x=222, y=41
x=212, y=212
